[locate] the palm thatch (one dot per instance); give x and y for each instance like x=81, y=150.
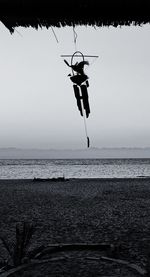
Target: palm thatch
x=69, y=13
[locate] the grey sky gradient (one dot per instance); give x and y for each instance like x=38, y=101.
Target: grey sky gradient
x=37, y=104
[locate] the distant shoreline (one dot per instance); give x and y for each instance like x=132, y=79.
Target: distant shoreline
x=46, y=180
x=91, y=153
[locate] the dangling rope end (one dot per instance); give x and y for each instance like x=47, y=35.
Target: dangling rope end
x=88, y=142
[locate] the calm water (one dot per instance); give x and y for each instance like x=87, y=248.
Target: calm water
x=76, y=168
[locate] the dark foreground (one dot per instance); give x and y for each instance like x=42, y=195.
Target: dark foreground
x=80, y=211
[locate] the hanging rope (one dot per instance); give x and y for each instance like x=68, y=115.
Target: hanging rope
x=86, y=132
x=85, y=125
x=54, y=34
x=75, y=38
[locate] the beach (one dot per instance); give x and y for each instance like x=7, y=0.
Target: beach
x=113, y=211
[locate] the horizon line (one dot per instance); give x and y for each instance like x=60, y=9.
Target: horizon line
x=78, y=149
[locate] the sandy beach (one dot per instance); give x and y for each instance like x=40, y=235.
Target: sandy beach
x=115, y=211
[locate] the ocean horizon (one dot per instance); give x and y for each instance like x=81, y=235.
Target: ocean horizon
x=83, y=153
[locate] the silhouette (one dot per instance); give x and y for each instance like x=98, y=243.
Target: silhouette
x=80, y=85
x=78, y=79
x=78, y=67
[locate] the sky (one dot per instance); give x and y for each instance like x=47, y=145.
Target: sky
x=37, y=104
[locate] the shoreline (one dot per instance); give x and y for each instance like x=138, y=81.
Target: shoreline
x=81, y=179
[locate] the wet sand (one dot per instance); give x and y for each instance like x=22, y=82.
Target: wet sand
x=81, y=210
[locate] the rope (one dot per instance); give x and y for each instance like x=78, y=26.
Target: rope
x=85, y=124
x=86, y=132
x=75, y=38
x=54, y=34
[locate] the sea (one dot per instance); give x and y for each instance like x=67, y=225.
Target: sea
x=74, y=168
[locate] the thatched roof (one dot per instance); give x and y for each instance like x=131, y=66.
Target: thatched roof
x=67, y=12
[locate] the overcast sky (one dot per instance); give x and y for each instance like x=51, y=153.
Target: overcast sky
x=37, y=105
